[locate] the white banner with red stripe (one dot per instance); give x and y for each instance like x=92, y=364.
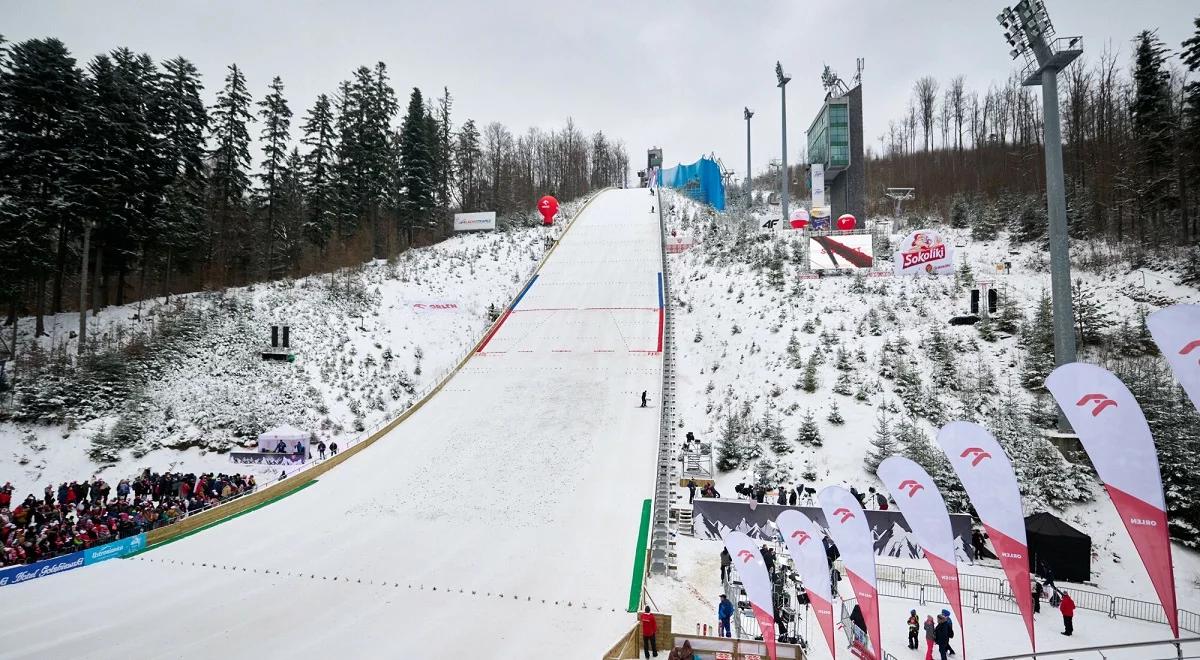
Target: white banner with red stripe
x=803, y=539
x=987, y=475
x=850, y=533
x=1115, y=435
x=748, y=561
x=924, y=508
x=1176, y=330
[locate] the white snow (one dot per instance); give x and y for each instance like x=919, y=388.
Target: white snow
x=521, y=481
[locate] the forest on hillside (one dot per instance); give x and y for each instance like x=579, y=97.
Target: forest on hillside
x=1131, y=131
x=118, y=183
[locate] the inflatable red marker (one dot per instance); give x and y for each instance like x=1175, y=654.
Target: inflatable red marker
x=548, y=206
x=846, y=222
x=799, y=219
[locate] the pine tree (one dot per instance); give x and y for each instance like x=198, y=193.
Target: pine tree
x=862, y=393
x=1151, y=115
x=443, y=151
x=908, y=386
x=843, y=385
x=959, y=211
x=965, y=276
x=986, y=330
x=276, y=120
x=842, y=360
x=185, y=120
x=1010, y=318
x=229, y=181
x=809, y=433
x=772, y=434
x=1091, y=319
x=882, y=444
x=835, y=415
x=915, y=445
x=987, y=226
x=810, y=382
x=729, y=448
x=318, y=172
x=417, y=166
x=1037, y=338
x=467, y=161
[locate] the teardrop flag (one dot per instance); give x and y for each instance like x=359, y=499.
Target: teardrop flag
x=748, y=561
x=924, y=509
x=1116, y=437
x=1176, y=330
x=850, y=532
x=803, y=540
x=987, y=475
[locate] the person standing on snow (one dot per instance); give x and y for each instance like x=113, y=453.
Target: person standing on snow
x=644, y=399
x=914, y=626
x=1038, y=592
x=649, y=630
x=691, y=486
x=321, y=449
x=950, y=625
x=942, y=634
x=333, y=449
x=726, y=564
x=724, y=614
x=930, y=627
x=1067, y=607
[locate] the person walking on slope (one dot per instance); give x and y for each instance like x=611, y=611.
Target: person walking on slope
x=333, y=449
x=649, y=630
x=644, y=399
x=724, y=614
x=930, y=635
x=1067, y=607
x=321, y=449
x=914, y=626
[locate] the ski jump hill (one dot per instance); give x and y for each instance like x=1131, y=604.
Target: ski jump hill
x=498, y=520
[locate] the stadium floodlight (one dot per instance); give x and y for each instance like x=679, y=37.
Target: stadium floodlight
x=1032, y=27
x=748, y=113
x=783, y=79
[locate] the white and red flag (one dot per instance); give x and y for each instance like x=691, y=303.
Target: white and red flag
x=1115, y=435
x=1176, y=330
x=924, y=508
x=988, y=478
x=803, y=539
x=752, y=570
x=850, y=532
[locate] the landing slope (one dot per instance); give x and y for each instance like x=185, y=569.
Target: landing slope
x=523, y=477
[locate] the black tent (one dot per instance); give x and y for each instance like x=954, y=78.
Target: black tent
x=1057, y=550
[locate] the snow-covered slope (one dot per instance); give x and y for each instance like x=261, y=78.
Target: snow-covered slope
x=500, y=520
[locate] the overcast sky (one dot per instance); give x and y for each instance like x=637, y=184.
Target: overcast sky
x=671, y=73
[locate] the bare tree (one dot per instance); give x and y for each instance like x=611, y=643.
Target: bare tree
x=958, y=103
x=925, y=92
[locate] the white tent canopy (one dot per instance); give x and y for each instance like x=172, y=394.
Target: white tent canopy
x=290, y=435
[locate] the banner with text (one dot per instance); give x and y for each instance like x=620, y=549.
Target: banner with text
x=1115, y=435
x=818, y=185
x=803, y=540
x=475, y=221
x=114, y=550
x=987, y=475
x=265, y=458
x=923, y=251
x=27, y=572
x=923, y=506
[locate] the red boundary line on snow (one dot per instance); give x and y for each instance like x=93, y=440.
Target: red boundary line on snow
x=495, y=329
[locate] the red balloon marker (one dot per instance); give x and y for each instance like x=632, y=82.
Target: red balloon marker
x=846, y=222
x=548, y=206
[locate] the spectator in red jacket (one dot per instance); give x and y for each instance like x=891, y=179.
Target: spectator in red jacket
x=649, y=630
x=1067, y=607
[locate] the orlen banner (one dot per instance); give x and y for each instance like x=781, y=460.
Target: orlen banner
x=923, y=251
x=923, y=506
x=1176, y=330
x=1113, y=431
x=988, y=478
x=474, y=221
x=850, y=533
x=748, y=561
x=803, y=539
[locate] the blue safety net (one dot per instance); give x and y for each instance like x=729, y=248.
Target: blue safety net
x=701, y=181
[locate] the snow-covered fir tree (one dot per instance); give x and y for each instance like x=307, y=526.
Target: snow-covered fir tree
x=883, y=444
x=809, y=433
x=835, y=415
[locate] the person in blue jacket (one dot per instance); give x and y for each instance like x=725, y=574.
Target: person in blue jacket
x=724, y=614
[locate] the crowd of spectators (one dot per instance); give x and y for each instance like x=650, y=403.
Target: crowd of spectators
x=80, y=515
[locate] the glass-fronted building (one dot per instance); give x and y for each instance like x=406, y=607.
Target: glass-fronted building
x=829, y=136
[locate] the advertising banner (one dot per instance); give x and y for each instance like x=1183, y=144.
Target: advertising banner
x=988, y=478
x=265, y=458
x=850, y=533
x=1176, y=330
x=475, y=221
x=841, y=252
x=923, y=506
x=818, y=185
x=1115, y=435
x=712, y=519
x=435, y=306
x=923, y=251
x=27, y=572
x=114, y=550
x=748, y=561
x=803, y=539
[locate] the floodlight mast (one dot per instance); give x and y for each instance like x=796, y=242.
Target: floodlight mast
x=1027, y=28
x=748, y=113
x=783, y=79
